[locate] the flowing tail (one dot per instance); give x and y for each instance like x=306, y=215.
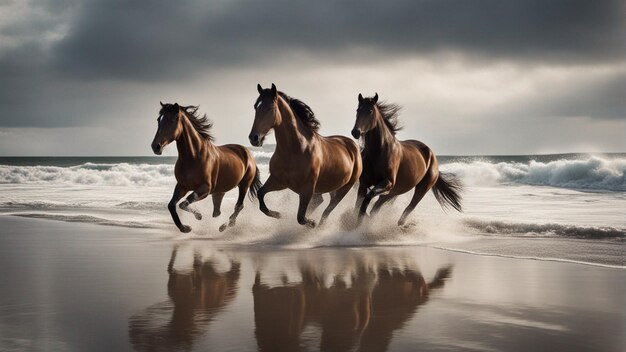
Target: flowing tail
x=447, y=190
x=256, y=184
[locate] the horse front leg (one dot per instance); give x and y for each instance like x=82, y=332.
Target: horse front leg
x=171, y=206
x=198, y=194
x=305, y=199
x=270, y=185
x=382, y=187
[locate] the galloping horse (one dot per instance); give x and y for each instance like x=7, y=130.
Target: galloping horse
x=202, y=167
x=395, y=167
x=304, y=161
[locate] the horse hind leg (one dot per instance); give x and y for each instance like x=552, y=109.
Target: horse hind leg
x=316, y=200
x=335, y=198
x=232, y=219
x=382, y=200
x=420, y=190
x=217, y=203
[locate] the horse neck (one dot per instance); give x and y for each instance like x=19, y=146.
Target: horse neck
x=379, y=138
x=288, y=130
x=190, y=142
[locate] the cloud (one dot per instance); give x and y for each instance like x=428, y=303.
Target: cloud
x=456, y=66
x=155, y=39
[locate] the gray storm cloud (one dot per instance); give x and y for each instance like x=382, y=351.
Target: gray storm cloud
x=92, y=64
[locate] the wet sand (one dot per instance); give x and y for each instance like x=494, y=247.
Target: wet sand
x=83, y=287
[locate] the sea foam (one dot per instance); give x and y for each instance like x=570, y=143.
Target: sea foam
x=593, y=173
x=590, y=173
x=122, y=174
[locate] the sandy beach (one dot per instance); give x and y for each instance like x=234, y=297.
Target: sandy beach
x=79, y=287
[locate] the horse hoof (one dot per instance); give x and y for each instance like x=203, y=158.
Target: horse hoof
x=183, y=205
x=408, y=225
x=308, y=223
x=216, y=214
x=273, y=214
x=198, y=216
x=185, y=229
x=223, y=227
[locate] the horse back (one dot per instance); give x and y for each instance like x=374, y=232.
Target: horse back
x=416, y=161
x=340, y=163
x=341, y=144
x=411, y=146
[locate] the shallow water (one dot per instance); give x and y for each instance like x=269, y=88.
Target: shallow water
x=569, y=207
x=82, y=287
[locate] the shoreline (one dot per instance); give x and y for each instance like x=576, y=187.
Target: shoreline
x=70, y=286
x=173, y=237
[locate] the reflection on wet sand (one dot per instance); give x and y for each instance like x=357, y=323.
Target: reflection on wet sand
x=196, y=296
x=362, y=314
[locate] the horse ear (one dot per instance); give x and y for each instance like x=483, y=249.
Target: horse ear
x=162, y=105
x=259, y=88
x=375, y=99
x=273, y=90
x=177, y=106
x=360, y=98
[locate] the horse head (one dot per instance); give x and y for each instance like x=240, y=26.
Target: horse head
x=265, y=116
x=366, y=115
x=168, y=127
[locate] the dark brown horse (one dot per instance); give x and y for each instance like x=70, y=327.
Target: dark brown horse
x=304, y=161
x=202, y=167
x=394, y=167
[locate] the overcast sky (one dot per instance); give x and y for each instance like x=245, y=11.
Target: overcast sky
x=474, y=77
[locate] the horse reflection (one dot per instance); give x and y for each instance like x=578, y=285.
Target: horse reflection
x=196, y=296
x=361, y=316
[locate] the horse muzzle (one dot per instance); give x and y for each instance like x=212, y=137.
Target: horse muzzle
x=356, y=133
x=157, y=148
x=256, y=139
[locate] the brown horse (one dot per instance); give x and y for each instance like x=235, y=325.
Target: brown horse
x=196, y=296
x=304, y=161
x=395, y=167
x=202, y=167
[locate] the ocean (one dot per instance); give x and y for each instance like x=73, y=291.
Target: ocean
x=561, y=207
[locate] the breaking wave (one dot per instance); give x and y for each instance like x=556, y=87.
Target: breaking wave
x=589, y=173
x=592, y=173
x=122, y=174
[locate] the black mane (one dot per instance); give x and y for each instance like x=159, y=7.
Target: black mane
x=390, y=113
x=302, y=112
x=201, y=124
